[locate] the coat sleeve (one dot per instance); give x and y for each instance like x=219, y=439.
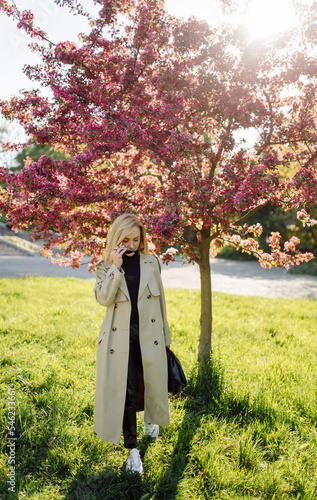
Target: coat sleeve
x=107, y=282
x=166, y=328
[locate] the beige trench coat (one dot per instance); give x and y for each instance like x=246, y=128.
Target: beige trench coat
x=111, y=291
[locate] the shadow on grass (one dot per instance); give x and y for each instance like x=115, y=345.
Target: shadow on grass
x=110, y=484
x=203, y=396
x=206, y=395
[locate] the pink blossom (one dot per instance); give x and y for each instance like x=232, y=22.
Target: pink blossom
x=147, y=114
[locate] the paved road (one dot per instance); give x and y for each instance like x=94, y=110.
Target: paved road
x=242, y=278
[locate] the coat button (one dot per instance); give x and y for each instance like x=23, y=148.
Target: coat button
x=114, y=329
x=111, y=351
x=115, y=306
x=155, y=342
x=153, y=320
x=149, y=296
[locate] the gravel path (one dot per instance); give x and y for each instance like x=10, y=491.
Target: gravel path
x=242, y=278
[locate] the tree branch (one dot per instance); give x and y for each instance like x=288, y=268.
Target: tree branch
x=30, y=27
x=18, y=18
x=251, y=212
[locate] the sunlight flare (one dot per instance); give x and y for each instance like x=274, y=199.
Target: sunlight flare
x=266, y=18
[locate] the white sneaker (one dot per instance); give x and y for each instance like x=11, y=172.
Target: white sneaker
x=134, y=462
x=151, y=430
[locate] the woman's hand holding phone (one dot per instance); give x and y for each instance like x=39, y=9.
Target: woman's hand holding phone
x=117, y=253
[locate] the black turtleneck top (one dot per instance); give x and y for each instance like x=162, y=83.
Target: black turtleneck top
x=131, y=267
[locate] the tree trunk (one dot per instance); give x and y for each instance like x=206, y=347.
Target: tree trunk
x=204, y=347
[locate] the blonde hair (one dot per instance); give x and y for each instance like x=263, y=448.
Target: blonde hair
x=121, y=227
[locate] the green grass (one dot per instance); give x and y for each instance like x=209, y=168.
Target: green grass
x=246, y=431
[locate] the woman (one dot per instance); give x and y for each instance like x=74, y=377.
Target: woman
x=131, y=354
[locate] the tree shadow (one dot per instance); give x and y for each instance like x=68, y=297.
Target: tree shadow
x=203, y=396
x=207, y=395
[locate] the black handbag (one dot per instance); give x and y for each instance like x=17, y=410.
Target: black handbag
x=176, y=376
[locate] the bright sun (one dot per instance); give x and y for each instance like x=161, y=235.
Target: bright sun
x=266, y=17
x=263, y=17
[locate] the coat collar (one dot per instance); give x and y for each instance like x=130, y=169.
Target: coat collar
x=146, y=271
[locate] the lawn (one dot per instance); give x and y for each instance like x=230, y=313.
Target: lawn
x=247, y=431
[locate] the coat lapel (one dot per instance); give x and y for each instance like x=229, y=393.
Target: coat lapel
x=146, y=271
x=124, y=288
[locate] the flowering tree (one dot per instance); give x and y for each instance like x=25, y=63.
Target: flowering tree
x=152, y=112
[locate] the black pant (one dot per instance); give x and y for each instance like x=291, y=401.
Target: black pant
x=135, y=389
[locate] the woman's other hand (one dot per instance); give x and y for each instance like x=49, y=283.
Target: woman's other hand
x=116, y=255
